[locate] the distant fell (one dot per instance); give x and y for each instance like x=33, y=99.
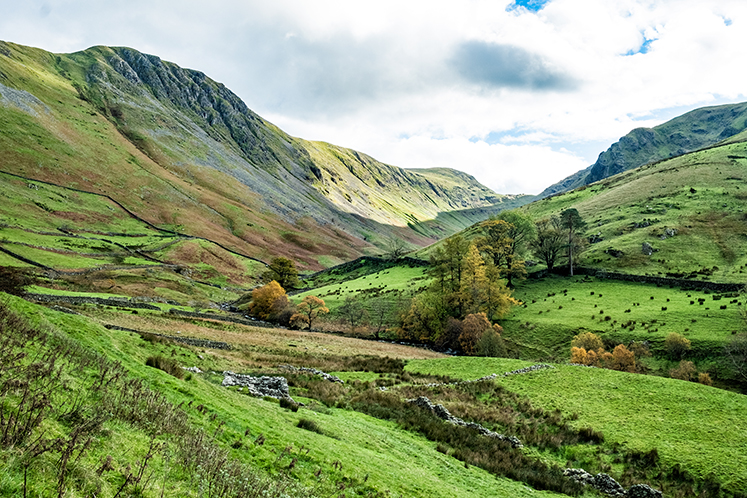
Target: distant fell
x=185, y=153
x=694, y=130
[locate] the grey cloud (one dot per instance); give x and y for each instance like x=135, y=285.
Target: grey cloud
x=296, y=75
x=506, y=66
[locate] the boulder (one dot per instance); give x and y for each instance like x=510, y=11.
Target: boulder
x=643, y=491
x=647, y=249
x=607, y=485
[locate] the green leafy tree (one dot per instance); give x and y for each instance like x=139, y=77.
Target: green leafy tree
x=573, y=225
x=425, y=318
x=548, y=243
x=491, y=343
x=521, y=233
x=353, y=312
x=284, y=272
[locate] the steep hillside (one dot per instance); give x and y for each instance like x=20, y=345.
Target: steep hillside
x=185, y=153
x=691, y=131
x=690, y=210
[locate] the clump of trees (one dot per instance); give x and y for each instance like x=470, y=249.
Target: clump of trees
x=559, y=236
x=466, y=294
x=270, y=303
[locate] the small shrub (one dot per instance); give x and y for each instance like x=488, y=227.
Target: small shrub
x=685, y=371
x=168, y=365
x=309, y=425
x=705, y=379
x=289, y=403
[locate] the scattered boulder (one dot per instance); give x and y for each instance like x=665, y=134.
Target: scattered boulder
x=647, y=249
x=643, y=491
x=192, y=369
x=615, y=253
x=593, y=239
x=274, y=387
x=610, y=487
x=607, y=485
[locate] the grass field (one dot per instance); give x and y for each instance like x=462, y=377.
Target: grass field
x=358, y=450
x=697, y=426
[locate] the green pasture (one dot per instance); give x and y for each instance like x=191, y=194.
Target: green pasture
x=370, y=450
x=555, y=309
x=700, y=427
x=394, y=282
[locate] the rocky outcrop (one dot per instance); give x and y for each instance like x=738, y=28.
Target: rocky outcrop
x=441, y=412
x=274, y=387
x=643, y=491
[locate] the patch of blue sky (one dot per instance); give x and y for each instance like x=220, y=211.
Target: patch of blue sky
x=668, y=113
x=530, y=5
x=643, y=49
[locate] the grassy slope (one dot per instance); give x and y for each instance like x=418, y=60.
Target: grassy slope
x=551, y=317
x=698, y=194
x=697, y=426
x=365, y=446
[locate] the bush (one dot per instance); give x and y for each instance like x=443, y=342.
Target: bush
x=491, y=344
x=685, y=371
x=588, y=341
x=677, y=345
x=705, y=379
x=622, y=359
x=13, y=280
x=309, y=425
x=168, y=365
x=289, y=403
x=474, y=327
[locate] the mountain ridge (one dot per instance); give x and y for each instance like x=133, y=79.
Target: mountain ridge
x=694, y=130
x=128, y=124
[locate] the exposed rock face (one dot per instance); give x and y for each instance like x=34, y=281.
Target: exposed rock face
x=441, y=412
x=274, y=387
x=691, y=131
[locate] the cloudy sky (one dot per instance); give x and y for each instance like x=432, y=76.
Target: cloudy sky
x=518, y=93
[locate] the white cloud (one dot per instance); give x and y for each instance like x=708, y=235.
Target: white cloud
x=420, y=83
